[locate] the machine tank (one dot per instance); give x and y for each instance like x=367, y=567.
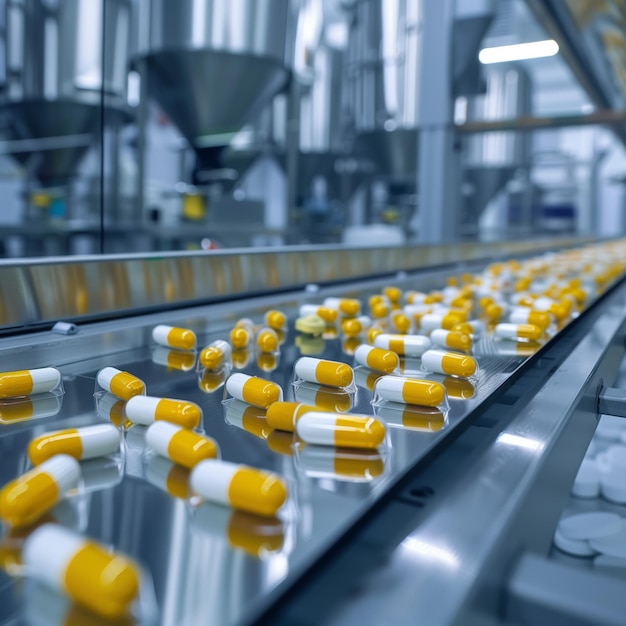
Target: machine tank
x=54, y=75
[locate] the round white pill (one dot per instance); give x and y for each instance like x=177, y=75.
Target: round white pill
x=590, y=525
x=616, y=456
x=613, y=487
x=612, y=545
x=572, y=546
x=587, y=482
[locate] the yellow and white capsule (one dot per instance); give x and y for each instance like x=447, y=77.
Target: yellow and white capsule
x=415, y=297
x=284, y=415
x=146, y=410
x=12, y=410
x=432, y=321
x=267, y=340
x=451, y=339
x=24, y=500
x=275, y=319
x=172, y=337
x=120, y=384
x=244, y=488
x=400, y=322
x=450, y=363
x=409, y=391
x=248, y=418
x=323, y=397
x=28, y=382
x=216, y=355
x=180, y=445
x=323, y=372
x=428, y=419
x=91, y=575
x=241, y=336
x=349, y=307
x=181, y=360
x=393, y=293
x=332, y=429
x=540, y=319
x=169, y=477
x=385, y=361
x=474, y=328
x=350, y=464
x=516, y=332
x=326, y=313
x=379, y=309
x=405, y=345
x=87, y=442
x=253, y=390
x=353, y=326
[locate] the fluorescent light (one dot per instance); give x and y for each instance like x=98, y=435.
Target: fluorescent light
x=519, y=52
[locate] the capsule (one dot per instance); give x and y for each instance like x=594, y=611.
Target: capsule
x=146, y=410
x=372, y=333
x=400, y=322
x=474, y=328
x=410, y=390
x=28, y=382
x=91, y=575
x=385, y=361
x=426, y=419
x=12, y=411
x=346, y=306
x=216, y=355
x=255, y=391
x=172, y=337
x=169, y=477
x=180, y=445
x=267, y=340
x=351, y=327
x=174, y=359
x=340, y=463
x=87, y=442
x=275, y=319
x=326, y=313
x=541, y=319
x=495, y=312
x=415, y=297
x=325, y=398
x=111, y=408
x=332, y=429
x=449, y=363
x=528, y=332
x=393, y=293
x=248, y=418
x=284, y=415
x=405, y=345
x=451, y=339
x=120, y=384
x=322, y=372
x=25, y=499
x=432, y=321
x=241, y=336
x=243, y=488
x=212, y=380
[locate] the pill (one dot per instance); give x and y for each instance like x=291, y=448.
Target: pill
x=212, y=380
x=28, y=382
x=494, y=311
x=110, y=407
x=87, y=442
x=284, y=415
x=267, y=340
x=172, y=337
x=591, y=525
x=323, y=397
x=332, y=429
x=310, y=325
x=28, y=497
x=587, y=481
x=400, y=322
x=372, y=333
x=410, y=390
x=393, y=293
x=611, y=545
x=385, y=361
x=449, y=363
x=253, y=390
x=120, y=384
x=415, y=297
x=345, y=306
x=323, y=372
x=340, y=463
x=326, y=313
x=409, y=345
x=541, y=319
x=242, y=487
x=91, y=575
x=23, y=409
x=451, y=339
x=169, y=477
x=518, y=331
x=174, y=359
x=275, y=319
x=432, y=321
x=241, y=336
x=473, y=328
x=146, y=410
x=180, y=445
x=247, y=417
x=216, y=355
x=427, y=419
x=380, y=310
x=351, y=327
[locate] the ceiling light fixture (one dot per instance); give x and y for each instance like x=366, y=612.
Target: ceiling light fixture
x=519, y=52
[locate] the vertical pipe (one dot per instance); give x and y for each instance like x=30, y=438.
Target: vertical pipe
x=292, y=147
x=142, y=121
